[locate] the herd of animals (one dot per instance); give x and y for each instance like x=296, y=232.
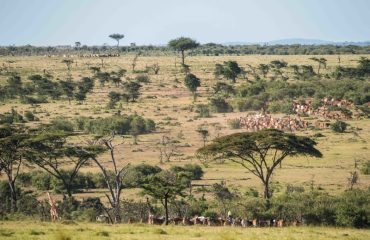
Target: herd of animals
x=256, y=122
x=209, y=221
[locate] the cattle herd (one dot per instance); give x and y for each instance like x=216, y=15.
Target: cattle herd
x=322, y=111
x=259, y=121
x=209, y=221
x=90, y=55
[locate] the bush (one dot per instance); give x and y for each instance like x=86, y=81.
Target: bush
x=121, y=125
x=366, y=168
x=61, y=124
x=353, y=209
x=194, y=170
x=30, y=116
x=219, y=105
x=203, y=111
x=234, y=123
x=339, y=126
x=142, y=78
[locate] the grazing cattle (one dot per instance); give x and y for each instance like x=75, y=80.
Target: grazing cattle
x=186, y=221
x=247, y=223
x=296, y=223
x=264, y=223
x=155, y=221
x=280, y=223
x=255, y=223
x=237, y=222
x=176, y=220
x=102, y=218
x=258, y=122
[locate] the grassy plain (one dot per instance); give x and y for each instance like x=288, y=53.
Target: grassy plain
x=166, y=100
x=59, y=231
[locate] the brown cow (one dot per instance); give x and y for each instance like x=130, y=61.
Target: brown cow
x=280, y=223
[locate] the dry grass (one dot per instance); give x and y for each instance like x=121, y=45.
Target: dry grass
x=58, y=231
x=330, y=172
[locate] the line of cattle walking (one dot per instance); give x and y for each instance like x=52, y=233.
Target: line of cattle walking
x=209, y=221
x=90, y=55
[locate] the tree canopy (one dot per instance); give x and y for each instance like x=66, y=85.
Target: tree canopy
x=117, y=37
x=182, y=44
x=192, y=82
x=259, y=152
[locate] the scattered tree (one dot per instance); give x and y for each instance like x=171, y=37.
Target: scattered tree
x=117, y=37
x=166, y=186
x=192, y=83
x=182, y=44
x=259, y=152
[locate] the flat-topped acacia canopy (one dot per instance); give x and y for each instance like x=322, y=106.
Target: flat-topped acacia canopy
x=259, y=152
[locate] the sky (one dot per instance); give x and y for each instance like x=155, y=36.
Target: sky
x=63, y=22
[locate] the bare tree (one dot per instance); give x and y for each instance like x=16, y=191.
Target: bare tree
x=155, y=67
x=353, y=179
x=168, y=148
x=112, y=177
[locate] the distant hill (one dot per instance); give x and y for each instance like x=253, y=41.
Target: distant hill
x=301, y=41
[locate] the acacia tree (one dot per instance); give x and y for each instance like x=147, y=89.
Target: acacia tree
x=182, y=44
x=52, y=153
x=192, y=83
x=117, y=37
x=132, y=89
x=259, y=152
x=68, y=87
x=112, y=177
x=321, y=63
x=166, y=186
x=12, y=150
x=264, y=68
x=230, y=70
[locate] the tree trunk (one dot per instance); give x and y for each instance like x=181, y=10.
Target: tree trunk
x=266, y=192
x=183, y=57
x=13, y=194
x=117, y=216
x=166, y=210
x=69, y=191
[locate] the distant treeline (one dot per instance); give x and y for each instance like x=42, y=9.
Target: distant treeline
x=211, y=49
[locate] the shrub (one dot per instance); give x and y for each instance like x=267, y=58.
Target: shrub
x=142, y=78
x=353, y=209
x=234, y=123
x=203, y=111
x=61, y=124
x=194, y=170
x=339, y=126
x=30, y=116
x=366, y=168
x=219, y=105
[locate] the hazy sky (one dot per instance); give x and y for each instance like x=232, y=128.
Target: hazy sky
x=57, y=22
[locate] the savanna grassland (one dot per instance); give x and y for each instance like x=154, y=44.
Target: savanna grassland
x=167, y=101
x=58, y=231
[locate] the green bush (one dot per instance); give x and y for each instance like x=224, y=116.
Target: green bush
x=203, y=111
x=142, y=78
x=220, y=105
x=121, y=125
x=194, y=170
x=61, y=124
x=366, y=168
x=30, y=116
x=234, y=123
x=353, y=209
x=339, y=126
